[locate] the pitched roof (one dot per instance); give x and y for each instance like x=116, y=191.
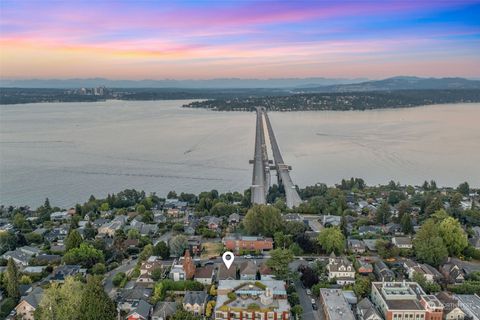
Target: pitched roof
x=204, y=272
x=34, y=297
x=195, y=297
x=142, y=309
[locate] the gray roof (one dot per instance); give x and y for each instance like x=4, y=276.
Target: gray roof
x=195, y=297
x=164, y=309
x=142, y=309
x=34, y=297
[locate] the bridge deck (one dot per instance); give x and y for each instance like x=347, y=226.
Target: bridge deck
x=259, y=179
x=293, y=198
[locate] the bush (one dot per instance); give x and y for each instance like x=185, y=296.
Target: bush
x=99, y=268
x=231, y=295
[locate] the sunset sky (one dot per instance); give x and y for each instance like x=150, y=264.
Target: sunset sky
x=244, y=39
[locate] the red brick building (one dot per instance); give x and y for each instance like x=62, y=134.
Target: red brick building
x=241, y=243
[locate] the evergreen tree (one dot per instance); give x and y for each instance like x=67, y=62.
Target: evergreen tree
x=73, y=240
x=406, y=223
x=11, y=280
x=95, y=303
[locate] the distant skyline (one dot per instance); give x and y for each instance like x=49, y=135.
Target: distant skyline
x=238, y=39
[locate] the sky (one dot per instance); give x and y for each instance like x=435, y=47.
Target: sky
x=238, y=39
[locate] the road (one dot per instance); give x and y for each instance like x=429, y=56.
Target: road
x=126, y=266
x=305, y=299
x=259, y=178
x=283, y=170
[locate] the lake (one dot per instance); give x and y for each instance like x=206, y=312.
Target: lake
x=68, y=151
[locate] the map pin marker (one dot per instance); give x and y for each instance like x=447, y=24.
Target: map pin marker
x=228, y=258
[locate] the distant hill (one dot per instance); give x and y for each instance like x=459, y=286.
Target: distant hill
x=227, y=83
x=398, y=83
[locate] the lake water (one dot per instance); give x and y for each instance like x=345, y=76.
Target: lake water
x=68, y=151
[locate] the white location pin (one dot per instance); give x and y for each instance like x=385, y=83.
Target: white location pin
x=228, y=258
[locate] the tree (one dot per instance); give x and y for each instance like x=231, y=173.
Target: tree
x=383, y=213
x=331, y=239
x=453, y=236
x=141, y=209
x=464, y=188
x=403, y=207
x=105, y=207
x=118, y=278
x=95, y=303
x=428, y=286
x=86, y=255
x=161, y=249
x=278, y=262
x=362, y=287
x=73, y=240
x=157, y=274
x=178, y=245
x=133, y=234
x=146, y=253
x=263, y=220
x=428, y=244
x=282, y=240
x=213, y=290
x=99, y=269
x=182, y=314
x=19, y=221
x=209, y=308
x=386, y=249
x=11, y=280
x=406, y=223
x=61, y=301
x=297, y=310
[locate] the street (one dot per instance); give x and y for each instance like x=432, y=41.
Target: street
x=125, y=267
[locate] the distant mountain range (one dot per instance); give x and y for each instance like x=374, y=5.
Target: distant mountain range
x=227, y=83
x=398, y=83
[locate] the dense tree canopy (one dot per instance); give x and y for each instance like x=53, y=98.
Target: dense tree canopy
x=263, y=220
x=332, y=239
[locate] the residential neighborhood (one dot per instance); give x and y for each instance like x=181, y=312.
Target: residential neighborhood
x=394, y=253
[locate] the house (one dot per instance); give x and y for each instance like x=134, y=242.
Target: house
x=140, y=312
x=341, y=269
x=63, y=271
x=329, y=221
x=227, y=274
x=470, y=305
x=60, y=216
x=405, y=300
x=195, y=244
x=394, y=229
x=214, y=223
x=265, y=272
x=163, y=310
x=149, y=266
x=365, y=230
x=427, y=271
x=144, y=229
x=356, y=246
x=159, y=218
x=234, y=219
x=22, y=255
x=452, y=272
x=184, y=270
x=195, y=301
x=335, y=306
x=109, y=228
x=364, y=267
x=402, y=242
x=248, y=270
x=56, y=234
x=240, y=299
x=382, y=272
x=129, y=298
x=204, y=274
x=451, y=310
x=371, y=244
x=367, y=311
x=28, y=304
x=290, y=217
x=243, y=243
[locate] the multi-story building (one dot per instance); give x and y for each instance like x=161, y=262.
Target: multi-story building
x=241, y=243
x=405, y=301
x=335, y=306
x=341, y=269
x=259, y=300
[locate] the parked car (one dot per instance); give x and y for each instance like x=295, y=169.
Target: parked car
x=309, y=292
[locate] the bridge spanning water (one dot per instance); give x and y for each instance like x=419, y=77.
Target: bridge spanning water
x=261, y=165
